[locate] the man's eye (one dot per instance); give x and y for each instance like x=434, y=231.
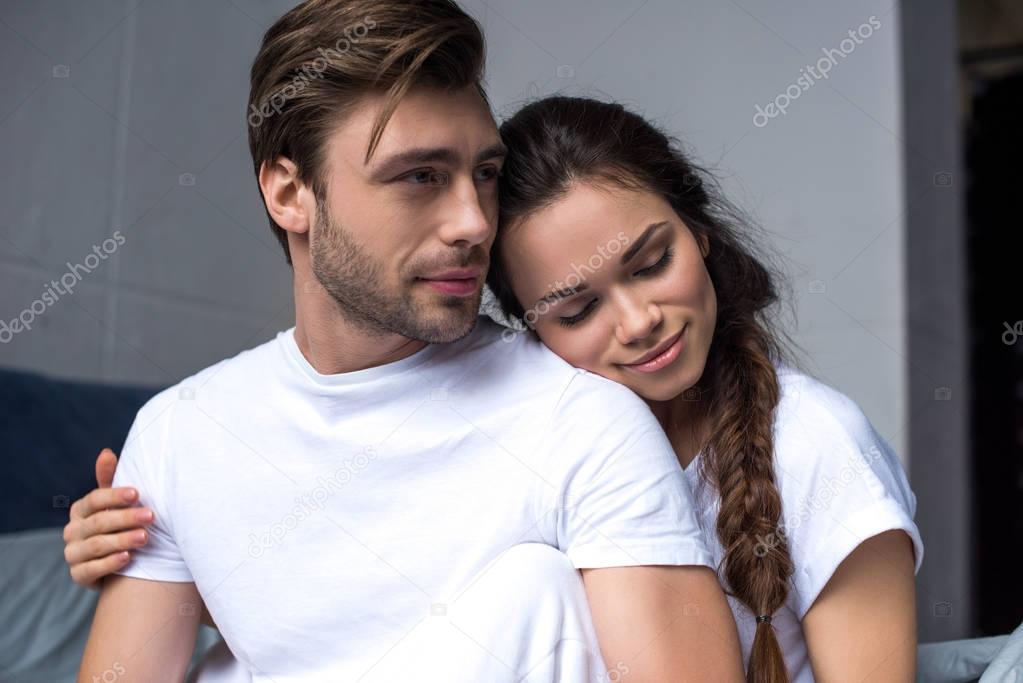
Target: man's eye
x=488, y=173
x=426, y=176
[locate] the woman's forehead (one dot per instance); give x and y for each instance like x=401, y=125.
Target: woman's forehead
x=582, y=219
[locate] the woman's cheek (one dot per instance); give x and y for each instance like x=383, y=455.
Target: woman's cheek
x=576, y=347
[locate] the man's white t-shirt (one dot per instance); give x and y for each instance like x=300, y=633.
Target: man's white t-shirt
x=322, y=517
x=840, y=483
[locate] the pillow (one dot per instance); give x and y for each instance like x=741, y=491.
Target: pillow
x=45, y=615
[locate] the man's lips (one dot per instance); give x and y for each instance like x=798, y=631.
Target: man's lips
x=458, y=282
x=455, y=274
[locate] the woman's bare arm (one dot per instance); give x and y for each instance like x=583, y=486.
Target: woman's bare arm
x=862, y=626
x=664, y=623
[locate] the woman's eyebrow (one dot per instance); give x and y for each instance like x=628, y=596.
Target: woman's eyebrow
x=627, y=255
x=642, y=240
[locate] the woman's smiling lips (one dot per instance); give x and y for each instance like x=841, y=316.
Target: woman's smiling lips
x=661, y=356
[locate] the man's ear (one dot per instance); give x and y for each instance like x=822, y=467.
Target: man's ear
x=286, y=196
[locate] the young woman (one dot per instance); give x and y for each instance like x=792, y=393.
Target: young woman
x=621, y=256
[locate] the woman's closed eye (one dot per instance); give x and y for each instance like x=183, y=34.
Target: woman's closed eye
x=660, y=265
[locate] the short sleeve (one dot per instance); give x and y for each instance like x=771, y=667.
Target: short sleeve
x=142, y=464
x=840, y=482
x=622, y=497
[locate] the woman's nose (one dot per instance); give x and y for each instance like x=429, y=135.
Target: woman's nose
x=637, y=320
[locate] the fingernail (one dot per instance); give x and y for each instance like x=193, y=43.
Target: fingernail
x=122, y=556
x=139, y=537
x=130, y=494
x=144, y=515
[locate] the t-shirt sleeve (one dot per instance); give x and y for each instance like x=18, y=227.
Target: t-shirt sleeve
x=840, y=481
x=142, y=464
x=622, y=499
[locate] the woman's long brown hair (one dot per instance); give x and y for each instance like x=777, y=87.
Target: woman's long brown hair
x=557, y=141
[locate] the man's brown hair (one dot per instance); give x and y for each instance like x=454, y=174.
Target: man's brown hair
x=320, y=58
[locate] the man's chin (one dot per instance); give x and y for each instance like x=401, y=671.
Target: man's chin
x=450, y=321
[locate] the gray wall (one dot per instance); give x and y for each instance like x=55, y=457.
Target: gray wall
x=129, y=117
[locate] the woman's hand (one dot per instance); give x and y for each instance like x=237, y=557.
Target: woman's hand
x=105, y=526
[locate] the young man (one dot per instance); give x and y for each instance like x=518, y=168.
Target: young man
x=329, y=492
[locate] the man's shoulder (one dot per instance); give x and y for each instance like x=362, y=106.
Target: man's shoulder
x=519, y=356
x=498, y=361
x=590, y=395
x=512, y=354
x=232, y=374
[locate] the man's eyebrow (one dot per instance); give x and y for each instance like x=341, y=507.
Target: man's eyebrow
x=627, y=255
x=494, y=151
x=427, y=155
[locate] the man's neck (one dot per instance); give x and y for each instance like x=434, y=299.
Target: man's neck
x=333, y=344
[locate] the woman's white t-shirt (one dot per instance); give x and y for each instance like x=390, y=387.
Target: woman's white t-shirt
x=840, y=484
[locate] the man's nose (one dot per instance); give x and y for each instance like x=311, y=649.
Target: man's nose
x=471, y=219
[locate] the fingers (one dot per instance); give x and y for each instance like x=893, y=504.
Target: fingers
x=106, y=464
x=104, y=526
x=102, y=499
x=88, y=574
x=103, y=545
x=107, y=521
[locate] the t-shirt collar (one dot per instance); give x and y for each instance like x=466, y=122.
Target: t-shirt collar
x=286, y=339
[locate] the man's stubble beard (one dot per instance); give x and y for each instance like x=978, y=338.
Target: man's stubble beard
x=352, y=278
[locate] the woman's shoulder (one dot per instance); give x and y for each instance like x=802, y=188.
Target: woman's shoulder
x=810, y=409
x=839, y=480
x=822, y=436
